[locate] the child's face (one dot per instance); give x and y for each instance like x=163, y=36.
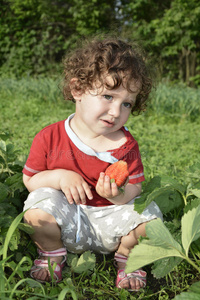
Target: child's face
x=103, y=111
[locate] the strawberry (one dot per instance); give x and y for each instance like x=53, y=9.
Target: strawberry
x=118, y=172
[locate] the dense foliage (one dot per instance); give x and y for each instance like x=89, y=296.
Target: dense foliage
x=34, y=35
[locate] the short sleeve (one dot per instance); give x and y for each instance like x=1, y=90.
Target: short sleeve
x=135, y=166
x=37, y=158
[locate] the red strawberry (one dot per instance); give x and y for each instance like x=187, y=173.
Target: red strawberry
x=118, y=172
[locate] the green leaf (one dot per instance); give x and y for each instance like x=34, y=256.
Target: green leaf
x=195, y=287
x=15, y=182
x=14, y=240
x=196, y=247
x=26, y=228
x=194, y=171
x=2, y=146
x=23, y=266
x=165, y=191
x=26, y=280
x=168, y=199
x=190, y=227
x=195, y=192
x=140, y=204
x=154, y=183
x=160, y=245
x=187, y=296
x=4, y=191
x=163, y=181
x=86, y=262
x=192, y=294
x=164, y=266
x=193, y=204
x=65, y=291
x=10, y=232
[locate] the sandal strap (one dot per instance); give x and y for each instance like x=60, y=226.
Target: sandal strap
x=39, y=263
x=42, y=263
x=138, y=274
x=121, y=275
x=120, y=258
x=58, y=252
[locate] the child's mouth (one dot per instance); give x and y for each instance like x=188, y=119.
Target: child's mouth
x=108, y=123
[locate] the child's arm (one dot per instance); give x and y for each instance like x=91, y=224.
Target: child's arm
x=71, y=183
x=111, y=192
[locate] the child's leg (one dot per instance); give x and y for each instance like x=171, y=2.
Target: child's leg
x=47, y=234
x=47, y=237
x=127, y=243
x=55, y=223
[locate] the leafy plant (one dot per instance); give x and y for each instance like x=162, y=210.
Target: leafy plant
x=12, y=190
x=169, y=194
x=85, y=263
x=160, y=245
x=192, y=294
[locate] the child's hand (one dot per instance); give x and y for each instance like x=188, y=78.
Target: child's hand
x=106, y=189
x=75, y=187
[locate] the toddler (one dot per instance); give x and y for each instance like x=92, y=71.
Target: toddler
x=72, y=204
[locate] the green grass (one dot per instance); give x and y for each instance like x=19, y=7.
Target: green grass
x=168, y=134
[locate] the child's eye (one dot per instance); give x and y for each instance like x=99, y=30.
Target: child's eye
x=108, y=97
x=127, y=104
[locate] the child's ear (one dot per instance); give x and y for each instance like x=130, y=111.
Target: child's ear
x=75, y=90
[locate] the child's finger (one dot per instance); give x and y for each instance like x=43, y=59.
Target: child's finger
x=100, y=182
x=87, y=191
x=107, y=185
x=81, y=194
x=114, y=188
x=101, y=179
x=68, y=195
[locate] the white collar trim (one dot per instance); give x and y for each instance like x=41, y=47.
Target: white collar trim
x=104, y=156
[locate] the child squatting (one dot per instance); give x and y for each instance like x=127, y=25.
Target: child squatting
x=72, y=205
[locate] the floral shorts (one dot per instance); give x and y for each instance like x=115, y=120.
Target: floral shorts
x=83, y=228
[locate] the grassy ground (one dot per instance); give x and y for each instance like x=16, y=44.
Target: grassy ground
x=169, y=138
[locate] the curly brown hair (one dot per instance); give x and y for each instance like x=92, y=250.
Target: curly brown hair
x=114, y=57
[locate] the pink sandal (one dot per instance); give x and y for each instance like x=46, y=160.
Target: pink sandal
x=43, y=264
x=121, y=275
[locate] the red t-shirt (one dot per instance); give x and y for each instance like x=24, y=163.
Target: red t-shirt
x=57, y=147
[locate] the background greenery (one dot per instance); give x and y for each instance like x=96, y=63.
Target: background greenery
x=34, y=36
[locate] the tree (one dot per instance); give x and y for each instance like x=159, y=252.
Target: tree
x=35, y=34
x=32, y=35
x=169, y=30
x=178, y=35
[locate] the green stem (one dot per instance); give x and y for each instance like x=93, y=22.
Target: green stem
x=193, y=254
x=192, y=263
x=185, y=199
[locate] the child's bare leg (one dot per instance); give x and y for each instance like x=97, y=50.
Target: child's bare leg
x=47, y=236
x=127, y=243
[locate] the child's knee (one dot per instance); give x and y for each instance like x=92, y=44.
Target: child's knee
x=140, y=230
x=37, y=217
x=131, y=239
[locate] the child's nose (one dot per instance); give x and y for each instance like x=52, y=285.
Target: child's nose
x=114, y=110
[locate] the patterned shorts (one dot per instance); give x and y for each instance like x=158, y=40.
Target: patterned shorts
x=99, y=229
